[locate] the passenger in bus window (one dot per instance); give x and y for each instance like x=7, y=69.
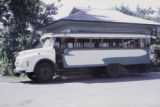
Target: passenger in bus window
x=114, y=44
x=120, y=44
x=137, y=45
x=101, y=43
x=110, y=44
x=64, y=44
x=128, y=43
x=79, y=43
x=107, y=44
x=132, y=44
x=125, y=44
x=96, y=45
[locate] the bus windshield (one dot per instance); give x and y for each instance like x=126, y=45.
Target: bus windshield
x=47, y=42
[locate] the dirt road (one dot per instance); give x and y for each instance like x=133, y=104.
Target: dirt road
x=131, y=91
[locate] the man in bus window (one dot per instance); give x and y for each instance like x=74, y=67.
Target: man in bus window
x=64, y=44
x=137, y=43
x=96, y=44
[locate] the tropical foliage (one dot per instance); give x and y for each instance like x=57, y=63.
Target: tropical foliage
x=19, y=23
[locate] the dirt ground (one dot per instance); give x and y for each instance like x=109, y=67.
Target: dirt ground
x=140, y=90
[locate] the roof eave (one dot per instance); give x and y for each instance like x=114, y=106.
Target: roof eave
x=70, y=20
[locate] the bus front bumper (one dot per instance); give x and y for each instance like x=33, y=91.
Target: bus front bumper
x=19, y=70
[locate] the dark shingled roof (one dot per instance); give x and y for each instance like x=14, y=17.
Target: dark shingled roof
x=99, y=15
x=105, y=16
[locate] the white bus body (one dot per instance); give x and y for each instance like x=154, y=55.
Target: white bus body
x=81, y=51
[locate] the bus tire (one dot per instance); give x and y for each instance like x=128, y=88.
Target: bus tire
x=114, y=70
x=31, y=76
x=44, y=72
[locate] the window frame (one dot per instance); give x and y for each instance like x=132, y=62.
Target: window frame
x=80, y=43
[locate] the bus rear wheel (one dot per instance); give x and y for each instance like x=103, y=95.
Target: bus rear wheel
x=44, y=72
x=114, y=70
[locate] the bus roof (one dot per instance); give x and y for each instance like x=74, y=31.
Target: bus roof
x=96, y=35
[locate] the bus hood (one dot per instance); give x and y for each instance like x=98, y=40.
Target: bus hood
x=32, y=51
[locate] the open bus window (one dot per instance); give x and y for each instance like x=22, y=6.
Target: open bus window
x=84, y=43
x=112, y=43
x=87, y=43
x=143, y=43
x=63, y=43
x=137, y=43
x=131, y=43
x=79, y=43
x=127, y=43
x=105, y=43
x=70, y=42
x=57, y=43
x=147, y=42
x=96, y=43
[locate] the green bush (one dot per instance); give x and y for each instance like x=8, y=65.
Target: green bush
x=157, y=47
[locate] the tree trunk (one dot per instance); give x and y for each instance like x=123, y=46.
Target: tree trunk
x=32, y=37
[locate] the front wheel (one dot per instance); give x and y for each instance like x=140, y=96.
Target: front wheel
x=31, y=76
x=44, y=72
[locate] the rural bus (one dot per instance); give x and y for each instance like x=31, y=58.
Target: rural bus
x=57, y=53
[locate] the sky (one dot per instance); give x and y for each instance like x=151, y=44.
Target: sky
x=67, y=5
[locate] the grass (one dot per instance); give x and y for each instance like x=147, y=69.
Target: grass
x=13, y=78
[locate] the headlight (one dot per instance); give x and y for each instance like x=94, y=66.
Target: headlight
x=17, y=63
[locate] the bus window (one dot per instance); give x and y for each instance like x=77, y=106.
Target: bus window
x=142, y=43
x=101, y=43
x=57, y=43
x=70, y=42
x=86, y=43
x=96, y=43
x=79, y=43
x=120, y=45
x=147, y=42
x=63, y=43
x=113, y=43
x=131, y=43
x=137, y=43
x=117, y=43
x=105, y=43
